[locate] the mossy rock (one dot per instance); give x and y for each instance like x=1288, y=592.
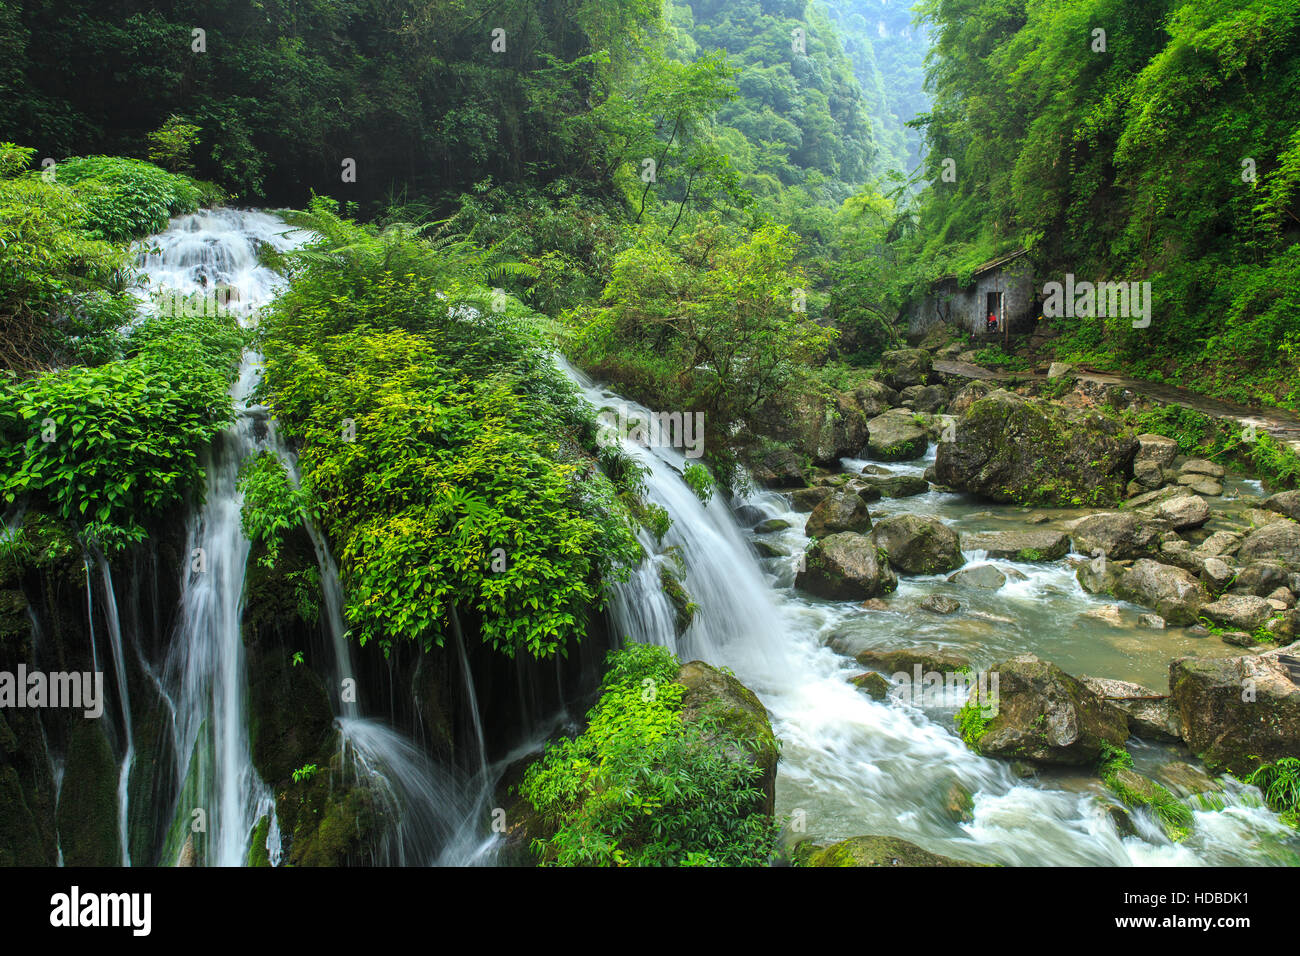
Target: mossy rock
x=744, y=730
x=870, y=851
x=88, y=800
x=258, y=855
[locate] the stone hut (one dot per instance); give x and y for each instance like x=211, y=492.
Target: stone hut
x=1003, y=286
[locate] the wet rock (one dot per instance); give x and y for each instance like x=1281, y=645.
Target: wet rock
x=1036, y=545
x=1173, y=593
x=1011, y=449
x=1121, y=820
x=1278, y=542
x=924, y=398
x=1185, y=780
x=940, y=604
x=769, y=525
x=1180, y=513
x=1157, y=449
x=780, y=469
x=861, y=488
x=874, y=604
x=747, y=515
x=1151, y=715
x=1148, y=498
x=841, y=511
x=903, y=367
x=984, y=576
x=742, y=730
x=1260, y=578
x=1181, y=555
x=875, y=397
x=906, y=660
x=1099, y=575
x=847, y=567
x=1107, y=613
x=1148, y=474
x=897, y=486
x=896, y=436
x=959, y=804
x=1118, y=535
x=969, y=394
x=766, y=550
x=1152, y=622
x=806, y=499
x=870, y=851
x=1285, y=503
x=1238, y=711
x=1238, y=638
x=1045, y=715
x=1242, y=612
x=1219, y=544
x=874, y=685
x=917, y=544
x=1200, y=466
x=1201, y=485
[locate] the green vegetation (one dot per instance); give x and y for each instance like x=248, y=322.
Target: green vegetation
x=1280, y=784
x=1115, y=767
x=972, y=722
x=640, y=787
x=128, y=198
x=435, y=438
x=112, y=447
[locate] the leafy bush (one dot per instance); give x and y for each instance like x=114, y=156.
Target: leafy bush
x=639, y=787
x=129, y=198
x=272, y=505
x=112, y=447
x=449, y=461
x=62, y=290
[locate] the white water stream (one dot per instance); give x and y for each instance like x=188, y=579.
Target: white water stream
x=851, y=765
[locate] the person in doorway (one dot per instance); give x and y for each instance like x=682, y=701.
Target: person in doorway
x=991, y=323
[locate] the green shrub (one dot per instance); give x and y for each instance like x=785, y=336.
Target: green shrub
x=1280, y=784
x=641, y=788
x=110, y=448
x=129, y=198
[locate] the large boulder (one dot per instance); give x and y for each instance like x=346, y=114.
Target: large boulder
x=917, y=544
x=846, y=567
x=806, y=499
x=1151, y=715
x=1175, y=594
x=1285, y=503
x=903, y=367
x=875, y=397
x=906, y=660
x=984, y=576
x=896, y=486
x=1278, y=542
x=1238, y=711
x=1118, y=535
x=870, y=851
x=1032, y=545
x=896, y=436
x=1041, y=714
x=1178, y=513
x=780, y=468
x=1240, y=612
x=841, y=511
x=1011, y=449
x=1100, y=575
x=969, y=394
x=739, y=726
x=924, y=398
x=1156, y=449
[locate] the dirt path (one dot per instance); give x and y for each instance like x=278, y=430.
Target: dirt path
x=1281, y=424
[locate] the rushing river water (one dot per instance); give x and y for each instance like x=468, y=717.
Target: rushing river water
x=851, y=765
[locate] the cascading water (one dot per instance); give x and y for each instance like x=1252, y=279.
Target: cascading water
x=857, y=766
x=204, y=677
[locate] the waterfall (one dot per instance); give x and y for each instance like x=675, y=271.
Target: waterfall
x=114, y=627
x=204, y=682
x=851, y=765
